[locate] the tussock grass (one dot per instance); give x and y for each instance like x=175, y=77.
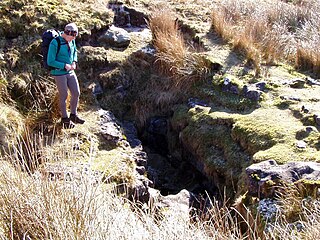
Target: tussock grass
x=299, y=214
x=174, y=57
x=11, y=123
x=271, y=31
x=34, y=205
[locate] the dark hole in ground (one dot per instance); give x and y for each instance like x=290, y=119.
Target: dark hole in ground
x=168, y=173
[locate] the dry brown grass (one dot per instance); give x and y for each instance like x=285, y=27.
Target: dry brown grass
x=33, y=206
x=174, y=57
x=271, y=31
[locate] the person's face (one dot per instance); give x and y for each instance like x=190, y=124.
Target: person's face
x=70, y=35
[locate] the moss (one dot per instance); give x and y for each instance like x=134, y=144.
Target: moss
x=179, y=120
x=208, y=138
x=228, y=100
x=110, y=79
x=286, y=152
x=116, y=166
x=271, y=183
x=255, y=177
x=256, y=134
x=92, y=58
x=27, y=17
x=283, y=103
x=308, y=120
x=312, y=139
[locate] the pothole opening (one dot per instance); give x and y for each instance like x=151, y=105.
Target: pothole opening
x=171, y=174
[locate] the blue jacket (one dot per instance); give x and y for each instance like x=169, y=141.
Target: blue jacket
x=65, y=55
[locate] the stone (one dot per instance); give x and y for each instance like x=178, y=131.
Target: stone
x=263, y=178
x=137, y=19
x=251, y=93
x=228, y=86
x=317, y=119
x=109, y=127
x=141, y=169
x=292, y=98
x=305, y=109
x=312, y=81
x=261, y=86
x=97, y=89
x=131, y=134
x=301, y=144
x=311, y=129
x=297, y=83
x=116, y=37
x=192, y=102
x=177, y=205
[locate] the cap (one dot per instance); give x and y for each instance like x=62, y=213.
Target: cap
x=71, y=27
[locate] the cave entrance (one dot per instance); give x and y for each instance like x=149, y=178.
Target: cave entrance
x=169, y=172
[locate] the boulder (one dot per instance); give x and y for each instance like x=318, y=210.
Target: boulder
x=115, y=37
x=109, y=127
x=251, y=93
x=263, y=178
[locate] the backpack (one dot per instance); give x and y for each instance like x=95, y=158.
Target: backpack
x=47, y=37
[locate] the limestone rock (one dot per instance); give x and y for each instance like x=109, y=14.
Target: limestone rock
x=297, y=83
x=251, y=93
x=116, y=37
x=109, y=128
x=264, y=177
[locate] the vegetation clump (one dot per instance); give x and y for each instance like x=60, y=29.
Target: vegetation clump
x=269, y=31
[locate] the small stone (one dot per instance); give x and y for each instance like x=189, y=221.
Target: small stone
x=140, y=169
x=297, y=83
x=261, y=86
x=301, y=144
x=305, y=109
x=311, y=129
x=317, y=119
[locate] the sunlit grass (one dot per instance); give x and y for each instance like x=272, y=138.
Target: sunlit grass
x=174, y=57
x=271, y=31
x=37, y=203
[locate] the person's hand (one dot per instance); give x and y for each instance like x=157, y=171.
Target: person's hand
x=74, y=65
x=68, y=67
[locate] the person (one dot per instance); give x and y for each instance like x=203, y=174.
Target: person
x=64, y=64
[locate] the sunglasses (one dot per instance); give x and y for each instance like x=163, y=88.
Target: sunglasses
x=71, y=33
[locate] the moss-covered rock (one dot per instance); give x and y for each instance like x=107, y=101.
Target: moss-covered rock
x=222, y=143
x=92, y=58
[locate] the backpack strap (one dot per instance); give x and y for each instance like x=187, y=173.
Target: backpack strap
x=59, y=45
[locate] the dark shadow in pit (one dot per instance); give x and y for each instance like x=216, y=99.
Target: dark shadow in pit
x=171, y=174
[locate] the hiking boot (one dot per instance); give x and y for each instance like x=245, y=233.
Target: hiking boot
x=74, y=118
x=67, y=123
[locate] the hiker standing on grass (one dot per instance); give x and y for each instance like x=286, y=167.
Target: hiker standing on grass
x=64, y=63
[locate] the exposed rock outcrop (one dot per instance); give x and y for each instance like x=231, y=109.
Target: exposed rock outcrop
x=265, y=177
